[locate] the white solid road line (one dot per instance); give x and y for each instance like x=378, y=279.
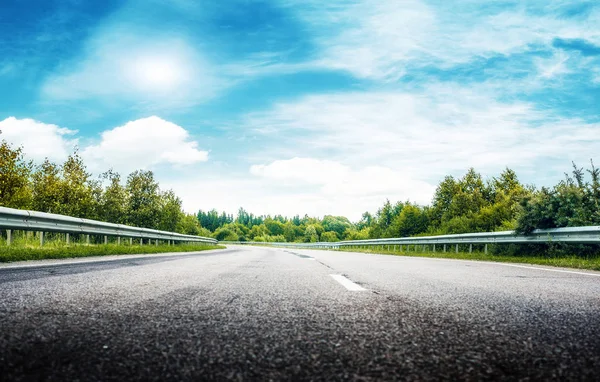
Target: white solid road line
x=549, y=270
x=347, y=283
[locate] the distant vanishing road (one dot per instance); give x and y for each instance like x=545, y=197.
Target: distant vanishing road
x=250, y=313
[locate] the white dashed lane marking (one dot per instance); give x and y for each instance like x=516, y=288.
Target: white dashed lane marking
x=347, y=283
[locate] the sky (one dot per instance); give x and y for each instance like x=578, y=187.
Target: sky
x=304, y=106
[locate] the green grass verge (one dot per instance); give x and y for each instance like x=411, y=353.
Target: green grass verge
x=592, y=263
x=17, y=252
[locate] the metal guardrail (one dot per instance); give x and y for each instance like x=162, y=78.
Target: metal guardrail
x=14, y=219
x=575, y=235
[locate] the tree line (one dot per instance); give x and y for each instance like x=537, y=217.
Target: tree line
x=69, y=189
x=459, y=205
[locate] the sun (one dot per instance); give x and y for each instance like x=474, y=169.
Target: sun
x=157, y=73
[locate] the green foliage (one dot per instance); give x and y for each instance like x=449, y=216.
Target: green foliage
x=113, y=201
x=225, y=234
x=412, y=220
x=144, y=200
x=15, y=188
x=310, y=234
x=336, y=224
x=470, y=205
x=572, y=202
x=355, y=234
x=211, y=220
x=69, y=189
x=274, y=227
x=329, y=236
x=76, y=196
x=46, y=188
x=463, y=204
x=169, y=211
x=189, y=225
x=292, y=232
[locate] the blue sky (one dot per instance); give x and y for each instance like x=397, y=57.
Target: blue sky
x=289, y=106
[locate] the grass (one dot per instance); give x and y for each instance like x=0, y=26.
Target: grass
x=592, y=263
x=27, y=247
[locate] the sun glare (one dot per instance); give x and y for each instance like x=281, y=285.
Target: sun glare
x=157, y=73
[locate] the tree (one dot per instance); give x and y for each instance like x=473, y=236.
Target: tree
x=442, y=200
x=275, y=227
x=76, y=195
x=572, y=202
x=15, y=188
x=292, y=232
x=412, y=220
x=113, y=201
x=354, y=234
x=143, y=207
x=258, y=231
x=46, y=187
x=329, y=236
x=365, y=222
x=225, y=234
x=383, y=220
x=170, y=211
x=310, y=234
x=337, y=224
x=189, y=225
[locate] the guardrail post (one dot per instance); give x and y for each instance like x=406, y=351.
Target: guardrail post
x=156, y=242
x=470, y=248
x=68, y=238
x=485, y=249
x=87, y=239
x=434, y=248
x=131, y=241
x=41, y=238
x=444, y=247
x=141, y=241
x=456, y=248
x=119, y=240
x=8, y=237
x=105, y=239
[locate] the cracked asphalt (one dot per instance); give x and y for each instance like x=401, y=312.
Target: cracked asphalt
x=250, y=313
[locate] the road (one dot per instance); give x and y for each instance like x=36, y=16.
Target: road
x=249, y=313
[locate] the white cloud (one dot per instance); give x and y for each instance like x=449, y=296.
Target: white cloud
x=143, y=144
x=380, y=40
x=441, y=130
x=39, y=140
x=335, y=178
x=320, y=187
x=553, y=67
x=377, y=38
x=302, y=170
x=268, y=196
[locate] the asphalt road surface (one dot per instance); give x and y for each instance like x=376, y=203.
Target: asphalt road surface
x=249, y=313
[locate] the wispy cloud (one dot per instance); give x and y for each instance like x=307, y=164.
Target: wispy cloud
x=442, y=129
x=555, y=66
x=384, y=40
